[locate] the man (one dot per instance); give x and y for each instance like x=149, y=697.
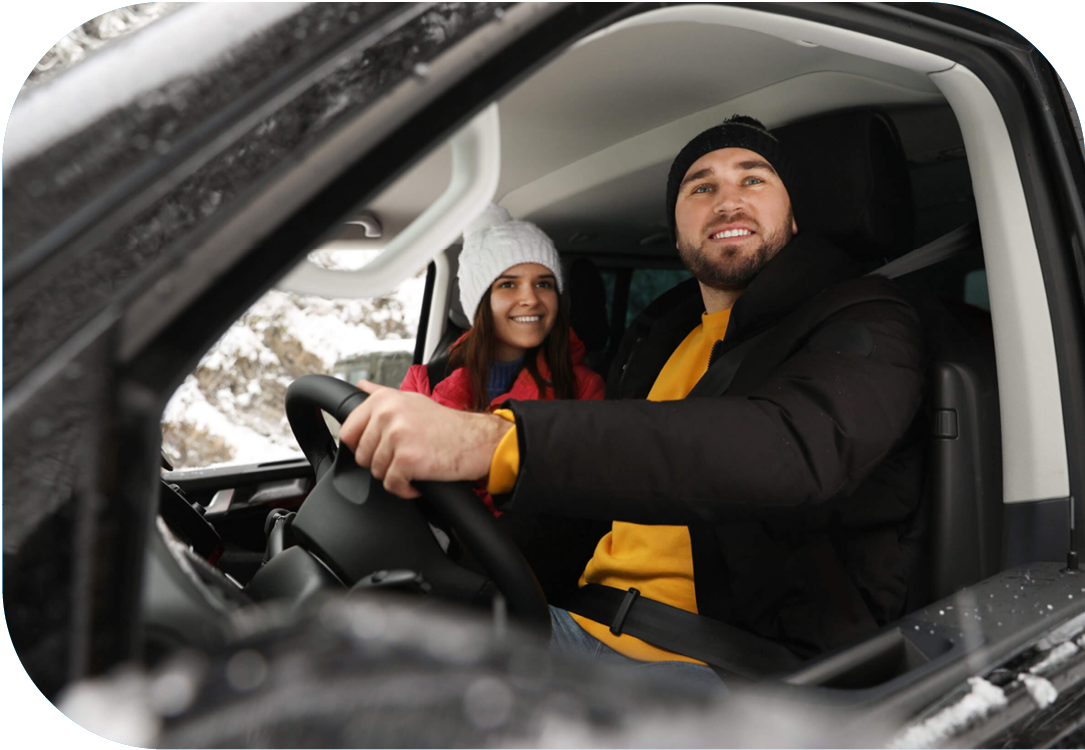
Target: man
x=758, y=459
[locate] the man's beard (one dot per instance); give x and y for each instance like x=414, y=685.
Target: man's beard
x=728, y=270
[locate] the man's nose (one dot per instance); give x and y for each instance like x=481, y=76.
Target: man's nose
x=728, y=198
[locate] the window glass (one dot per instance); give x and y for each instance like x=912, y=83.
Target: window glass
x=610, y=277
x=230, y=410
x=975, y=289
x=649, y=283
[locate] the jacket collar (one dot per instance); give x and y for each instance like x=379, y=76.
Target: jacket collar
x=803, y=268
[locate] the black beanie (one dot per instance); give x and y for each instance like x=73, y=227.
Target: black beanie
x=737, y=131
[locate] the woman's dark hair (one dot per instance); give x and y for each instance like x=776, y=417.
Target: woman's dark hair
x=476, y=352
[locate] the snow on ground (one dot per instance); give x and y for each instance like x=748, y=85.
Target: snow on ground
x=230, y=410
x=329, y=329
x=190, y=405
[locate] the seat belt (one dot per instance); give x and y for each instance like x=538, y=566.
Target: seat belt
x=943, y=248
x=714, y=642
x=436, y=371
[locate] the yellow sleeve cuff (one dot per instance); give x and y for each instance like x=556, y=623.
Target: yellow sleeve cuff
x=505, y=464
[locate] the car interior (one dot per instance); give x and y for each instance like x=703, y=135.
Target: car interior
x=902, y=158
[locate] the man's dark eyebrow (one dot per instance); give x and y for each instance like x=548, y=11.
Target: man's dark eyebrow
x=756, y=164
x=696, y=176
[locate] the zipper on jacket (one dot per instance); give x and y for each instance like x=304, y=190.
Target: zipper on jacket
x=716, y=353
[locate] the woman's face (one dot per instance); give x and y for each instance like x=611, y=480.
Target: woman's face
x=524, y=302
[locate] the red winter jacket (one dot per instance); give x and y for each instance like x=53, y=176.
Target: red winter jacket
x=455, y=390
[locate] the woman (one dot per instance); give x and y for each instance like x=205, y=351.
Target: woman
x=520, y=345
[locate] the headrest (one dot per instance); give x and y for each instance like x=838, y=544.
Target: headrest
x=588, y=304
x=851, y=182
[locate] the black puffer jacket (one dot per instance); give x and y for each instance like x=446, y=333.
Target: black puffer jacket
x=797, y=485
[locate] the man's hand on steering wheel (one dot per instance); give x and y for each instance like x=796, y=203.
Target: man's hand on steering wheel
x=402, y=437
x=354, y=527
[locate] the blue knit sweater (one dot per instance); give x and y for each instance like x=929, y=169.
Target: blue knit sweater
x=501, y=376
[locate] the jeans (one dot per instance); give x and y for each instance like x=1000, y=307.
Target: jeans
x=568, y=638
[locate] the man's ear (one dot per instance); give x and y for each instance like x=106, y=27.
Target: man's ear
x=794, y=226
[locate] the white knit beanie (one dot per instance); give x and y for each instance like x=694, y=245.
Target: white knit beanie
x=494, y=243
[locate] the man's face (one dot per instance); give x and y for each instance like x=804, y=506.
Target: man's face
x=732, y=216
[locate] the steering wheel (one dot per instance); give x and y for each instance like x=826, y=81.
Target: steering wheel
x=355, y=527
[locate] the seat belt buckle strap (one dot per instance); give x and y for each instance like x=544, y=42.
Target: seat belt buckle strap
x=623, y=611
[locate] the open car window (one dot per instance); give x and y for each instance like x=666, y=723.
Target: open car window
x=230, y=409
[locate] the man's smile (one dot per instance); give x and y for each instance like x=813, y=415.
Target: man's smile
x=733, y=229
x=726, y=234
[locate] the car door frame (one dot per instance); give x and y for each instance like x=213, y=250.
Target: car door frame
x=140, y=374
